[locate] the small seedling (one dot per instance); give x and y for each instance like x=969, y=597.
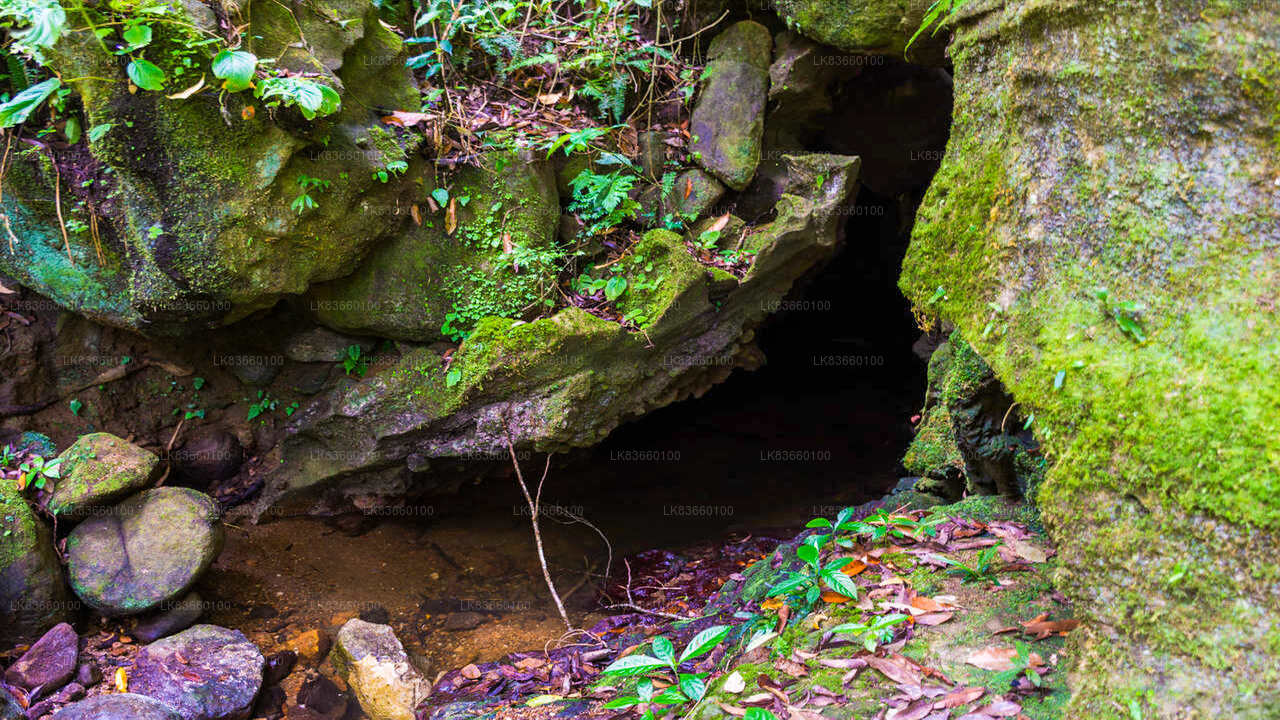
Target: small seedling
x=875, y=633
x=354, y=362
x=684, y=688
x=982, y=570
x=37, y=471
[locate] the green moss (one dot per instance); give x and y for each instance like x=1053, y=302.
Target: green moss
x=1161, y=451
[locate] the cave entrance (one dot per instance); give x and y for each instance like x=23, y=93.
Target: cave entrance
x=821, y=426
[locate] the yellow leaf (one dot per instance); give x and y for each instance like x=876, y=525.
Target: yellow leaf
x=451, y=216
x=189, y=91
x=122, y=680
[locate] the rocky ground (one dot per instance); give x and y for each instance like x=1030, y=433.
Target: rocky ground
x=143, y=598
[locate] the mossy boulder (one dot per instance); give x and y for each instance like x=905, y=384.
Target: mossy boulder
x=1132, y=148
x=191, y=198
x=728, y=120
x=970, y=438
x=558, y=382
x=98, y=470
x=499, y=261
x=873, y=27
x=148, y=550
x=33, y=595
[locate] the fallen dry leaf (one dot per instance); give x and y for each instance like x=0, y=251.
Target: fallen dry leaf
x=927, y=604
x=790, y=667
x=999, y=659
x=1042, y=627
x=731, y=710
x=931, y=619
x=415, y=214
x=407, y=119
x=451, y=217
x=898, y=672
x=834, y=597
x=915, y=710
x=961, y=696
x=189, y=91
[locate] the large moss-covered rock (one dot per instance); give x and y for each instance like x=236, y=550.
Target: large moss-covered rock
x=559, y=382
x=499, y=261
x=33, y=595
x=867, y=26
x=728, y=120
x=192, y=197
x=97, y=470
x=150, y=549
x=1131, y=147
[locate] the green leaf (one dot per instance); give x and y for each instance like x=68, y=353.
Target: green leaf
x=759, y=714
x=235, y=68
x=72, y=130
x=615, y=287
x=76, y=406
x=671, y=696
x=453, y=377
x=441, y=196
x=663, y=650
x=644, y=689
x=841, y=583
x=622, y=702
x=145, y=74
x=795, y=581
x=693, y=686
x=704, y=642
x=1059, y=379
x=818, y=523
x=97, y=131
x=21, y=105
x=197, y=382
x=808, y=553
x=633, y=665
x=137, y=36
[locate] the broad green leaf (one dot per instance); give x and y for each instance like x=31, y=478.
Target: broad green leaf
x=21, y=105
x=644, y=689
x=704, y=642
x=663, y=650
x=137, y=36
x=538, y=700
x=633, y=665
x=441, y=196
x=808, y=553
x=615, y=287
x=759, y=714
x=841, y=583
x=72, y=130
x=622, y=702
x=235, y=68
x=145, y=74
x=816, y=522
x=671, y=696
x=693, y=686
x=795, y=581
x=330, y=100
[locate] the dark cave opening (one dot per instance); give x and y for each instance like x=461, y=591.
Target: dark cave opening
x=825, y=422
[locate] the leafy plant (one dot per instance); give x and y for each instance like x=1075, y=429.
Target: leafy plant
x=7, y=457
x=1127, y=314
x=235, y=68
x=451, y=328
x=304, y=202
x=875, y=632
x=937, y=14
x=20, y=106
x=603, y=200
x=575, y=141
x=312, y=99
x=355, y=362
x=37, y=471
x=982, y=570
x=264, y=404
x=685, y=688
x=76, y=406
x=883, y=524
x=805, y=586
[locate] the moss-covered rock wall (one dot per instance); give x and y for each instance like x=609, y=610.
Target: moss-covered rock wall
x=1104, y=231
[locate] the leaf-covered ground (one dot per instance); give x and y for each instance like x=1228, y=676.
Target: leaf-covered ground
x=944, y=642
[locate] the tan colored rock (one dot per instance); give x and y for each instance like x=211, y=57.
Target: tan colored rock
x=378, y=671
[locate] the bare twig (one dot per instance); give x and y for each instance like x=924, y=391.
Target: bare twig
x=534, y=503
x=630, y=604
